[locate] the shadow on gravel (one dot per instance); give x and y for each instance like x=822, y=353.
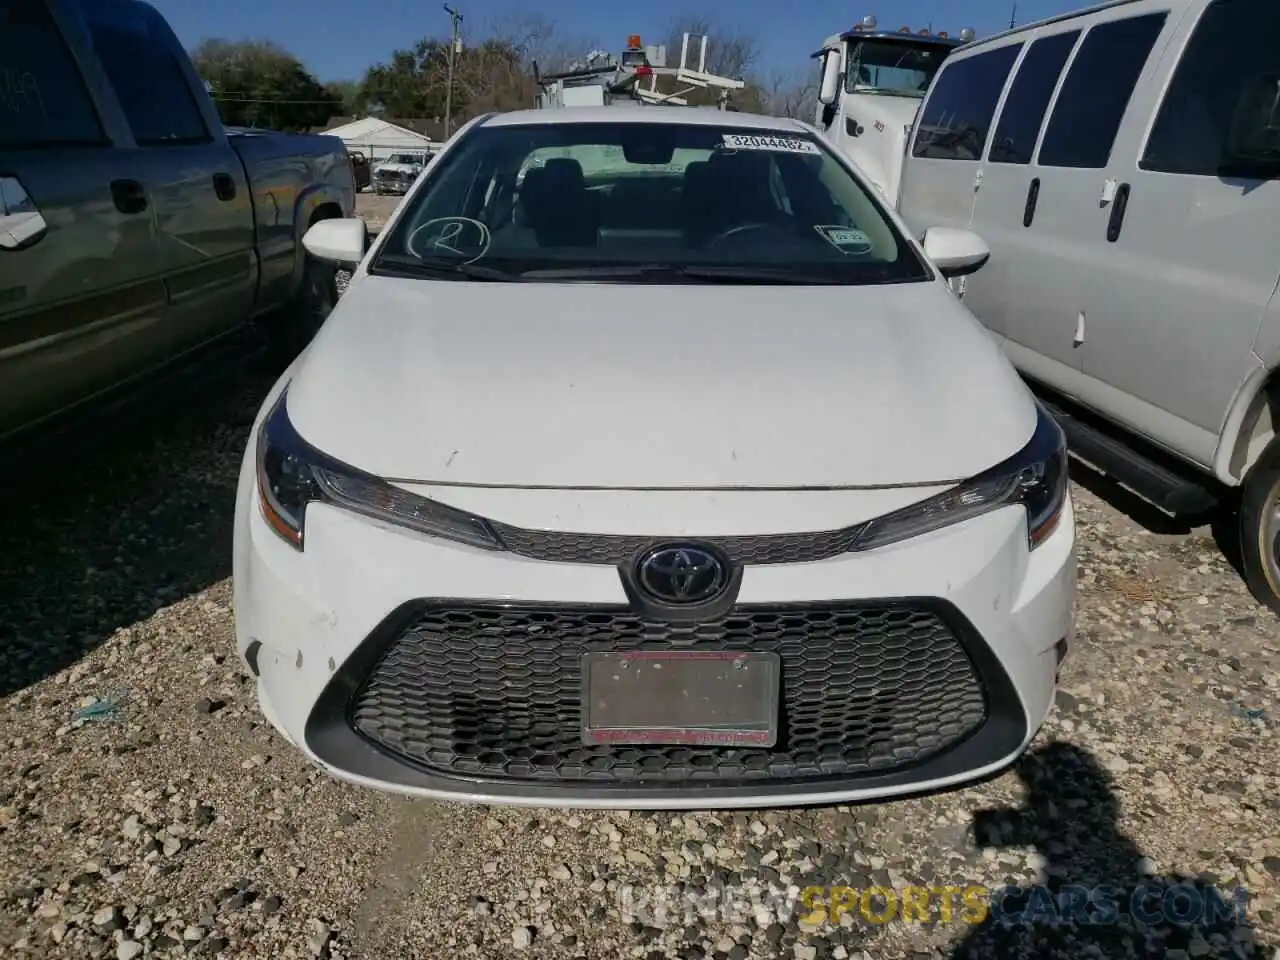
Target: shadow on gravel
x=89, y=546
x=1100, y=898
x=1131, y=505
x=1223, y=523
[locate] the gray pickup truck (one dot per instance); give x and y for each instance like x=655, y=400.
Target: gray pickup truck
x=135, y=230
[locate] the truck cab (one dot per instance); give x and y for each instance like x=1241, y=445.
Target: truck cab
x=872, y=82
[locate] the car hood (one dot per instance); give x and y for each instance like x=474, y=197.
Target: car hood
x=645, y=386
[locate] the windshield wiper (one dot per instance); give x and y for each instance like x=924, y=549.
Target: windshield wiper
x=672, y=271
x=424, y=267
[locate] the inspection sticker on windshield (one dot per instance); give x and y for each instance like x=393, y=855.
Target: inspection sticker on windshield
x=845, y=239
x=738, y=141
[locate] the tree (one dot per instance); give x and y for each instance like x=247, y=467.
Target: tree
x=256, y=83
x=410, y=83
x=350, y=95
x=791, y=95
x=494, y=74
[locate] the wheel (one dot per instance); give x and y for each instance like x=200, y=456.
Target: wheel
x=1260, y=527
x=317, y=295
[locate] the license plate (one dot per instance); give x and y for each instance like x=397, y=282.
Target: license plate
x=710, y=697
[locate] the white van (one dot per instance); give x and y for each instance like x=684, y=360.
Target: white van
x=1122, y=164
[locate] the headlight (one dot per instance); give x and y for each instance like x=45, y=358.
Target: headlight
x=292, y=474
x=1036, y=478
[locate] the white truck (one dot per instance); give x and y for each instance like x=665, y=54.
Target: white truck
x=871, y=84
x=603, y=80
x=397, y=173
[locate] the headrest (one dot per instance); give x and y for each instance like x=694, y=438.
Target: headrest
x=564, y=172
x=696, y=174
x=744, y=171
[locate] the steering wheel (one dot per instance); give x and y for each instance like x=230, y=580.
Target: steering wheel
x=739, y=230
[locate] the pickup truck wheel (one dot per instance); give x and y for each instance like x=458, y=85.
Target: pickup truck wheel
x=1260, y=527
x=316, y=298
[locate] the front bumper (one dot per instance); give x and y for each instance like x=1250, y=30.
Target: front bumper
x=369, y=601
x=392, y=186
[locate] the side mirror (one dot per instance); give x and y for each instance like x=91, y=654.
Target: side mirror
x=956, y=253
x=830, y=88
x=337, y=241
x=1255, y=124
x=21, y=223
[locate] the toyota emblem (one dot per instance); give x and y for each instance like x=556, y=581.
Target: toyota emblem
x=682, y=574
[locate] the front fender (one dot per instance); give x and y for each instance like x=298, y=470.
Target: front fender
x=304, y=210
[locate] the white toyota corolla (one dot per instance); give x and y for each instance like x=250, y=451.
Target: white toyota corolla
x=648, y=462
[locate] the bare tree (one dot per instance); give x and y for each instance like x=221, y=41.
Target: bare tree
x=731, y=51
x=540, y=39
x=791, y=94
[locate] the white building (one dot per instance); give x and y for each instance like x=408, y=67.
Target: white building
x=377, y=139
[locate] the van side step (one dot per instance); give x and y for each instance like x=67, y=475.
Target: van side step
x=1170, y=491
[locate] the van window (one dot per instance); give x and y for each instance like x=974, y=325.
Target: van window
x=1024, y=107
x=138, y=52
x=957, y=115
x=1096, y=92
x=43, y=99
x=1235, y=42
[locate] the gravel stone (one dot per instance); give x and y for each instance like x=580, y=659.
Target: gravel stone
x=197, y=831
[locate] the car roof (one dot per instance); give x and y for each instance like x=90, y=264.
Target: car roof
x=977, y=46
x=698, y=116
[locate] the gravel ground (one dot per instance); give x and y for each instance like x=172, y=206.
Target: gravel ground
x=376, y=210
x=146, y=808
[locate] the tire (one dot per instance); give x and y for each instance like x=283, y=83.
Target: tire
x=298, y=324
x=1259, y=525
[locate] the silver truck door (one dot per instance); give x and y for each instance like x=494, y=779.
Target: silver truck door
x=204, y=208
x=1189, y=263
x=80, y=302
x=943, y=170
x=1004, y=209
x=1065, y=241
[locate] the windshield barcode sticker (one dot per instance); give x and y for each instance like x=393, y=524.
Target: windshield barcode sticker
x=845, y=239
x=738, y=141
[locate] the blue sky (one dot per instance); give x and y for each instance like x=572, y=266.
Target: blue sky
x=338, y=39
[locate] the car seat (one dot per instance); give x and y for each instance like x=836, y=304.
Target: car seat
x=557, y=206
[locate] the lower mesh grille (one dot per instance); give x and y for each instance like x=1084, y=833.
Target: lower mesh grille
x=495, y=692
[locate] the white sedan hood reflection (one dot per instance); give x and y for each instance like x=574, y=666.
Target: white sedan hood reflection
x=688, y=386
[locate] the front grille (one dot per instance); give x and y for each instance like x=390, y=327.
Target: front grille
x=617, y=548
x=493, y=692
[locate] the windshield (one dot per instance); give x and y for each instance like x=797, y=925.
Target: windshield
x=895, y=67
x=703, y=203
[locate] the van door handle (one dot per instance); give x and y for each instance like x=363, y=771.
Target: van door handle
x=129, y=196
x=224, y=186
x=1118, y=206
x=1033, y=195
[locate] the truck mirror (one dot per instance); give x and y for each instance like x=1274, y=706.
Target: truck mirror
x=830, y=88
